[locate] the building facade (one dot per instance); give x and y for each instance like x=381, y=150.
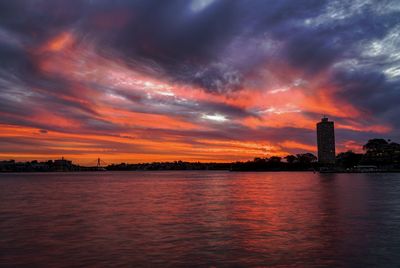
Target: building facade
x=326, y=142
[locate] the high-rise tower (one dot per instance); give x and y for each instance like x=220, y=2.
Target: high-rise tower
x=326, y=141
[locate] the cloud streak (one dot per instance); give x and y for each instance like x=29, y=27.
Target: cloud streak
x=194, y=80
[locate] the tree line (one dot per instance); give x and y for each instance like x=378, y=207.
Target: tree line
x=377, y=152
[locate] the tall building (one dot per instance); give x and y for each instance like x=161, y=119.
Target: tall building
x=326, y=141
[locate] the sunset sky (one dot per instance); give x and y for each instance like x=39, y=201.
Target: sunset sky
x=200, y=80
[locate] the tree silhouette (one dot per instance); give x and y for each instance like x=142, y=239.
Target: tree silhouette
x=306, y=158
x=375, y=145
x=348, y=159
x=290, y=159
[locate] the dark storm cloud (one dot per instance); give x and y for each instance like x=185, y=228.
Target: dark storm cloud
x=317, y=42
x=213, y=45
x=368, y=89
x=13, y=58
x=371, y=92
x=191, y=45
x=329, y=44
x=175, y=34
x=39, y=19
x=187, y=43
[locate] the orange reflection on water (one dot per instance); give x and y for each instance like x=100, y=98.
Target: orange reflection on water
x=182, y=218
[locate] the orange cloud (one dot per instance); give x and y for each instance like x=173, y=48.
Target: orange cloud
x=58, y=43
x=99, y=90
x=298, y=145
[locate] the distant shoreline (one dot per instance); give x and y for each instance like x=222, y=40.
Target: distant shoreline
x=205, y=170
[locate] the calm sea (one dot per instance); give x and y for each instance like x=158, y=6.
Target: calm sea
x=199, y=219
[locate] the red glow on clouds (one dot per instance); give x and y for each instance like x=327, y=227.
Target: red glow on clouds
x=58, y=43
x=123, y=114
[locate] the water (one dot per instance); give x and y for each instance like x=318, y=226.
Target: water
x=206, y=219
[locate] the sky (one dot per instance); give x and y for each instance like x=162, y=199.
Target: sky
x=194, y=80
